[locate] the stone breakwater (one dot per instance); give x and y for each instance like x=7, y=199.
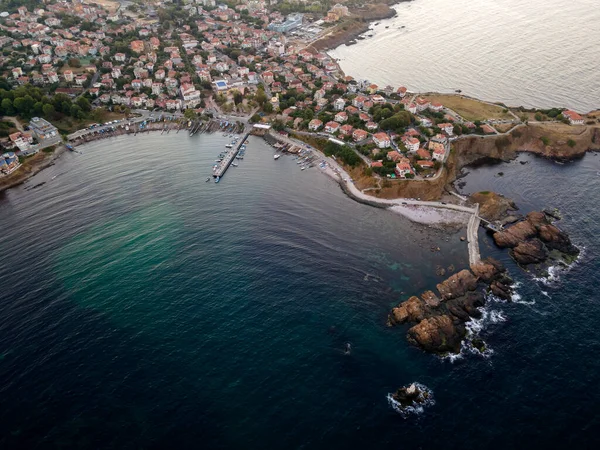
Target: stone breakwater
x=439, y=320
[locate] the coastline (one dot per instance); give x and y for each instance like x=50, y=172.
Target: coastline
x=26, y=172
x=358, y=25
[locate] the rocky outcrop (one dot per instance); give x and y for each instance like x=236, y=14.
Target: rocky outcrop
x=440, y=320
x=457, y=285
x=533, y=240
x=492, y=206
x=438, y=334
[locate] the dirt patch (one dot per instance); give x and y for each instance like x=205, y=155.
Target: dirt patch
x=469, y=108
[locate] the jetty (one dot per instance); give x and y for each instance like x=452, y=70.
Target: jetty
x=222, y=167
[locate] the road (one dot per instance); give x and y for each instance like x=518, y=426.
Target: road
x=144, y=115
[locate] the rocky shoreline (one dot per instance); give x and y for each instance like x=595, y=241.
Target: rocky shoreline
x=439, y=321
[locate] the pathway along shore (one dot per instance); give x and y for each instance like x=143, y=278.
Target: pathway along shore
x=401, y=205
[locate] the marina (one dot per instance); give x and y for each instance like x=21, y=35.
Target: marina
x=235, y=150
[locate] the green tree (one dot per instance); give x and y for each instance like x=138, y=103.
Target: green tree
x=7, y=107
x=48, y=110
x=260, y=97
x=84, y=104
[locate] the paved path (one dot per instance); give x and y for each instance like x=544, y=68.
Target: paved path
x=473, y=238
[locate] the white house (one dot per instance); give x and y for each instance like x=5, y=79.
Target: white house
x=382, y=140
x=573, y=117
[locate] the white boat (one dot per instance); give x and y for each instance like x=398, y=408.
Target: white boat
x=276, y=156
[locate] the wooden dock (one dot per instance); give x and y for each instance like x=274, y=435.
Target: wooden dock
x=220, y=170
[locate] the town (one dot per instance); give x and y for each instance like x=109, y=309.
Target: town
x=64, y=61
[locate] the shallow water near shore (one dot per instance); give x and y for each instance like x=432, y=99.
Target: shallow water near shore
x=144, y=307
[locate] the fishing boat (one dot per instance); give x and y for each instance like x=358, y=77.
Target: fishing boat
x=234, y=164
x=276, y=156
x=208, y=179
x=229, y=146
x=217, y=179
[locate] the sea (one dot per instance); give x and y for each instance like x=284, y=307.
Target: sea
x=144, y=307
x=535, y=53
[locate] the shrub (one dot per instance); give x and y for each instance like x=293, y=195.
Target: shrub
x=571, y=143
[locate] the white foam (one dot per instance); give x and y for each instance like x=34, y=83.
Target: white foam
x=555, y=272
x=416, y=409
x=474, y=328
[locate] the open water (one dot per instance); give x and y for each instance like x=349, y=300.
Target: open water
x=535, y=53
x=142, y=307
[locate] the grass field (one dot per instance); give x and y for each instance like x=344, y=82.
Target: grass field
x=470, y=109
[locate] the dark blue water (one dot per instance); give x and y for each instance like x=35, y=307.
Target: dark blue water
x=142, y=307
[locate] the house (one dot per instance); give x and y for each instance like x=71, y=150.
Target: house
x=378, y=99
x=412, y=108
x=341, y=117
x=423, y=154
x=377, y=164
x=22, y=140
x=359, y=135
x=346, y=130
x=332, y=127
x=382, y=140
x=68, y=74
x=422, y=104
x=425, y=164
x=437, y=107
x=573, y=117
x=439, y=151
x=137, y=46
x=9, y=163
x=339, y=104
x=371, y=126
x=403, y=168
x=315, y=124
x=394, y=156
x=359, y=101
x=42, y=129
x=448, y=128
x=401, y=91
x=411, y=144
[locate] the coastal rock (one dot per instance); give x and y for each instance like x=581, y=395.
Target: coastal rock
x=430, y=299
x=409, y=395
x=466, y=306
x=501, y=290
x=533, y=239
x=412, y=310
x=530, y=252
x=556, y=239
x=457, y=285
x=438, y=334
x=492, y=206
x=511, y=237
x=488, y=270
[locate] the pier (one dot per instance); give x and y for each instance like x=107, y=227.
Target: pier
x=220, y=170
